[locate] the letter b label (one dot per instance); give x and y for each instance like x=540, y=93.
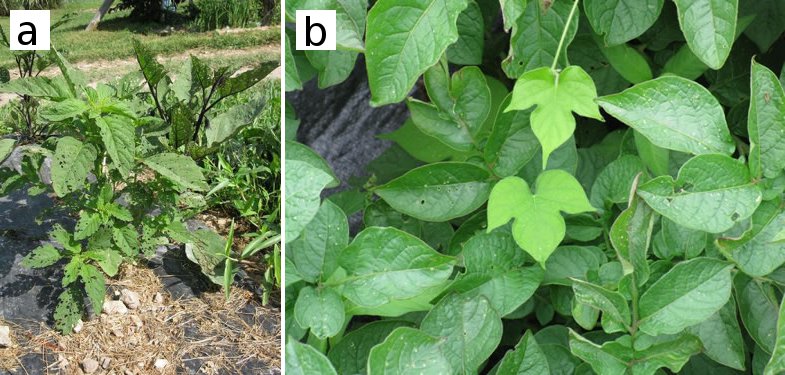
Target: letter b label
x=315, y=29
x=29, y=30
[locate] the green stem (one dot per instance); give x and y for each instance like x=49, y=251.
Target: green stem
x=564, y=34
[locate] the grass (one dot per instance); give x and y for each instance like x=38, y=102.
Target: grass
x=113, y=39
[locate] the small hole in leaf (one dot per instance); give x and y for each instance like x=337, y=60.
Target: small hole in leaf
x=735, y=216
x=422, y=201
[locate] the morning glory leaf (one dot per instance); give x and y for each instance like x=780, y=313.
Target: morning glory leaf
x=538, y=227
x=556, y=95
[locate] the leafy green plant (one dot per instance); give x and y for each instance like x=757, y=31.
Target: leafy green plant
x=21, y=116
x=185, y=105
x=215, y=14
x=599, y=191
x=113, y=167
x=245, y=172
x=233, y=261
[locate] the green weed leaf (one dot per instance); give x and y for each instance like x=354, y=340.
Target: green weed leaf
x=538, y=227
x=556, y=95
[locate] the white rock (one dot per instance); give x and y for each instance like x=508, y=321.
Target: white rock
x=78, y=327
x=115, y=307
x=89, y=365
x=105, y=362
x=130, y=298
x=5, y=336
x=62, y=362
x=160, y=363
x=137, y=321
x=159, y=298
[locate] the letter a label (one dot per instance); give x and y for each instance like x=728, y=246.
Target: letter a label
x=29, y=30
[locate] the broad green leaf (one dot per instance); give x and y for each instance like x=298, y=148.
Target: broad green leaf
x=568, y=262
x=422, y=146
x=119, y=212
x=629, y=62
x=55, y=89
x=6, y=147
x=680, y=240
x=435, y=124
x=776, y=364
x=618, y=356
x=321, y=310
x=304, y=183
x=512, y=143
x=758, y=309
x=71, y=271
x=333, y=66
x=152, y=70
x=613, y=184
x=303, y=359
x=560, y=361
x=88, y=224
x=397, y=57
x=459, y=111
x=609, y=359
x=94, y=285
x=535, y=37
x=181, y=130
x=511, y=10
x=75, y=80
x=612, y=304
x=630, y=236
x=688, y=294
x=110, y=262
x=526, y=358
x=380, y=214
x=673, y=113
x=471, y=99
x=656, y=158
x=711, y=193
x=69, y=310
x=709, y=27
x=766, y=123
x=438, y=192
x=228, y=124
x=300, y=152
x=126, y=239
x=583, y=51
x=118, y=135
x=64, y=110
x=42, y=256
x=470, y=328
x=497, y=275
x=621, y=20
x=239, y=82
x=292, y=78
x=387, y=264
x=758, y=252
x=350, y=355
x=685, y=63
x=471, y=37
x=315, y=252
x=73, y=160
x=538, y=227
x=769, y=21
x=408, y=351
x=180, y=169
x=556, y=96
x=721, y=336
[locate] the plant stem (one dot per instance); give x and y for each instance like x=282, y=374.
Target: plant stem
x=564, y=34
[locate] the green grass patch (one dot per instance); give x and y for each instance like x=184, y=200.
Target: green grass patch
x=114, y=38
